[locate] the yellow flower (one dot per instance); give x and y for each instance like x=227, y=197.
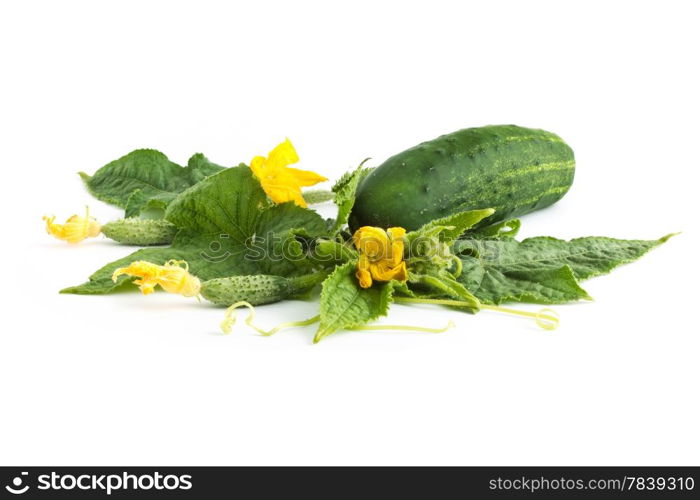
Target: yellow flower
x=171, y=276
x=75, y=229
x=280, y=182
x=381, y=255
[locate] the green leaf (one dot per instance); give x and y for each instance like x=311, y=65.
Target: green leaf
x=226, y=227
x=401, y=288
x=542, y=269
x=451, y=227
x=344, y=191
x=588, y=257
x=199, y=168
x=444, y=283
x=501, y=230
x=540, y=286
x=146, y=178
x=427, y=250
x=140, y=203
x=345, y=305
x=229, y=202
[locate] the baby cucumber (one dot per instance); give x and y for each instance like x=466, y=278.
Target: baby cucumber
x=258, y=289
x=143, y=232
x=514, y=170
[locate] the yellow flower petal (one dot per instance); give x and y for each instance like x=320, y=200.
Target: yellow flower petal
x=147, y=286
x=396, y=234
x=305, y=177
x=281, y=194
x=282, y=155
x=75, y=229
x=381, y=255
x=175, y=279
x=298, y=199
x=281, y=183
x=171, y=276
x=364, y=278
x=257, y=165
x=141, y=268
x=384, y=271
x=363, y=274
x=372, y=241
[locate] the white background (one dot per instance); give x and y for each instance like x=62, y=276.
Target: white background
x=128, y=379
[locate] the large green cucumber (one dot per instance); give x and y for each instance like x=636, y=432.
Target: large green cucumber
x=514, y=170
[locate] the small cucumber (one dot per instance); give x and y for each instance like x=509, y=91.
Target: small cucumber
x=514, y=170
x=143, y=232
x=258, y=289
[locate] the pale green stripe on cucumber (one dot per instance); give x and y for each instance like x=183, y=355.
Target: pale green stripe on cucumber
x=559, y=190
x=538, y=168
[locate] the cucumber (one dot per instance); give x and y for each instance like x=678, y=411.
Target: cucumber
x=258, y=289
x=143, y=232
x=514, y=170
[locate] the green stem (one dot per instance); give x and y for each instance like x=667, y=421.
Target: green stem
x=546, y=319
x=409, y=328
x=289, y=324
x=230, y=320
x=315, y=196
x=440, y=302
x=300, y=284
x=448, y=289
x=458, y=266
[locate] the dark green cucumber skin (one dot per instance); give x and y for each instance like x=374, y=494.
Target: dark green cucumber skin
x=514, y=170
